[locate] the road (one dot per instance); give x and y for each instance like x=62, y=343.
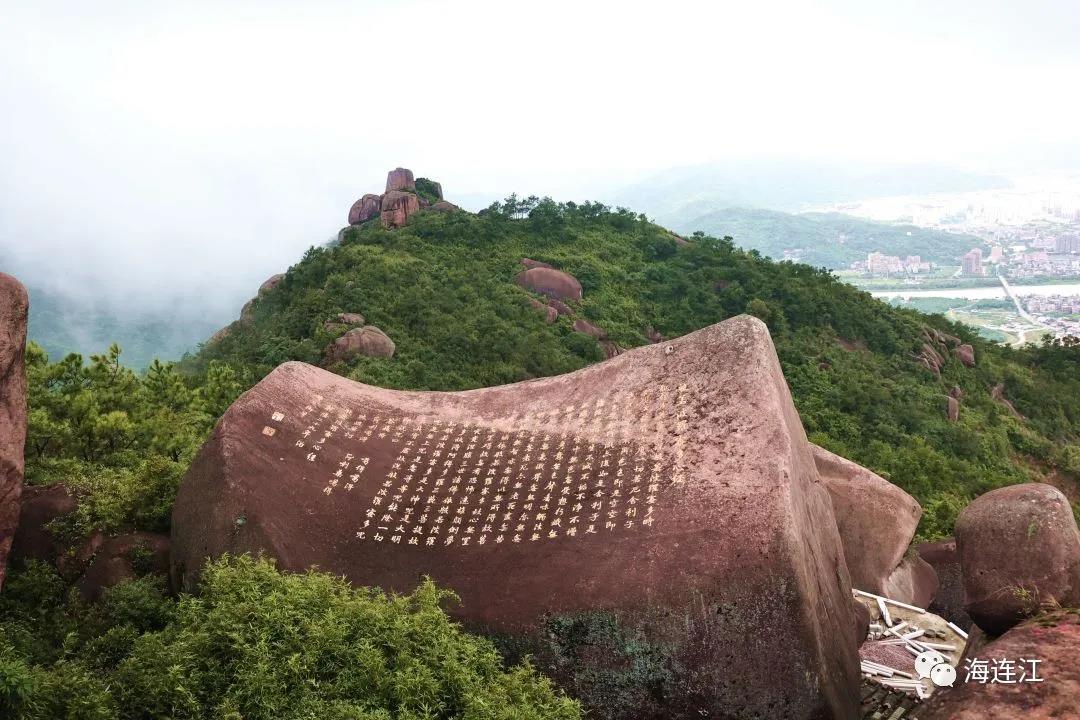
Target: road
x=1016, y=301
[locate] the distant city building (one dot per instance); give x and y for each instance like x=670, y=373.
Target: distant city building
x=881, y=264
x=1067, y=244
x=996, y=254
x=971, y=264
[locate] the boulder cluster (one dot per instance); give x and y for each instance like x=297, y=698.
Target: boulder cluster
x=399, y=201
x=357, y=339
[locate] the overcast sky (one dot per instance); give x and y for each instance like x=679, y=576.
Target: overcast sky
x=206, y=145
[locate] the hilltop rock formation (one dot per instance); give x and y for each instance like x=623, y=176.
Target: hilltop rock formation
x=665, y=500
x=1053, y=640
x=397, y=207
x=1019, y=552
x=876, y=520
x=270, y=283
x=548, y=281
x=364, y=209
x=400, y=179
x=14, y=306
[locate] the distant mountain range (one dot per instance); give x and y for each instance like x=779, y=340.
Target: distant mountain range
x=829, y=240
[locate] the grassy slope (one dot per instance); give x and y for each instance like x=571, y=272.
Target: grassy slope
x=443, y=289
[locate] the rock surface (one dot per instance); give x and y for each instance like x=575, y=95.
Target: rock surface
x=550, y=313
x=443, y=206
x=1019, y=552
x=369, y=341
x=124, y=557
x=400, y=179
x=949, y=600
x=875, y=518
x=952, y=408
x=14, y=305
x=1054, y=640
x=584, y=326
x=560, y=307
x=364, y=209
x=271, y=282
x=965, y=354
x=666, y=500
x=397, y=207
x=41, y=504
x=548, y=281
x=914, y=582
x=529, y=264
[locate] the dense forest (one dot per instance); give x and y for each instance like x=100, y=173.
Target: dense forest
x=442, y=288
x=831, y=240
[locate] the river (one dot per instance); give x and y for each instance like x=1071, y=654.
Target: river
x=982, y=293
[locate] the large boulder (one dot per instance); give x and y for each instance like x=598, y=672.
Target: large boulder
x=949, y=600
x=270, y=283
x=584, y=326
x=400, y=179
x=1019, y=552
x=875, y=518
x=1052, y=693
x=41, y=504
x=368, y=340
x=14, y=305
x=551, y=282
x=914, y=581
x=443, y=206
x=398, y=207
x=651, y=529
x=364, y=209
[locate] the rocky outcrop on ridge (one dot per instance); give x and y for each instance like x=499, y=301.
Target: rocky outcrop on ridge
x=14, y=307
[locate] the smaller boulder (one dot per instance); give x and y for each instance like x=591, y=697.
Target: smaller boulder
x=443, y=207
x=550, y=313
x=610, y=349
x=957, y=393
x=560, y=307
x=584, y=326
x=862, y=620
x=654, y=336
x=1019, y=553
x=548, y=281
x=965, y=354
x=913, y=582
x=529, y=264
x=369, y=341
x=364, y=209
x=124, y=557
x=351, y=319
x=400, y=179
x=952, y=408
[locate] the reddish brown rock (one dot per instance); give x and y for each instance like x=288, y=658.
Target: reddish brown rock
x=949, y=600
x=221, y=334
x=529, y=264
x=913, y=581
x=584, y=326
x=550, y=313
x=610, y=349
x=694, y=521
x=930, y=359
x=862, y=620
x=124, y=557
x=965, y=354
x=369, y=341
x=875, y=518
x=351, y=319
x=1052, y=639
x=397, y=208
x=14, y=305
x=1019, y=553
x=952, y=408
x=41, y=504
x=550, y=282
x=364, y=209
x=653, y=335
x=560, y=307
x=400, y=179
x=956, y=392
x=444, y=207
x=271, y=282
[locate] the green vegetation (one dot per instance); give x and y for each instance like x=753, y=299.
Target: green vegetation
x=254, y=644
x=259, y=644
x=831, y=240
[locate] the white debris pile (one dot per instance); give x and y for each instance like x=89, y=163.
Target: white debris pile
x=899, y=633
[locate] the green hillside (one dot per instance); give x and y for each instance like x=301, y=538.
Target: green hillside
x=830, y=240
x=443, y=289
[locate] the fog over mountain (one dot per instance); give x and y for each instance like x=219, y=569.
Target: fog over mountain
x=167, y=160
